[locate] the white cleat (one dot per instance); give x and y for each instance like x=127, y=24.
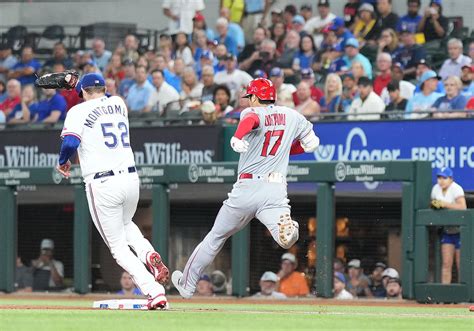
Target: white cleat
x=175, y=279
x=157, y=302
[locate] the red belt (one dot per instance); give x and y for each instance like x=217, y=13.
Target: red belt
x=245, y=176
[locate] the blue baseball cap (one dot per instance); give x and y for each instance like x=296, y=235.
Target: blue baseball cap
x=444, y=172
x=205, y=277
x=207, y=55
x=276, y=72
x=428, y=75
x=88, y=80
x=259, y=74
x=436, y=2
x=298, y=19
x=340, y=276
x=352, y=42
x=307, y=73
x=337, y=23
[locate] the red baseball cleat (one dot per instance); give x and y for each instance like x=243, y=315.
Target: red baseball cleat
x=157, y=302
x=157, y=268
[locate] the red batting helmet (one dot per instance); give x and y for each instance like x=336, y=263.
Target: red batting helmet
x=262, y=88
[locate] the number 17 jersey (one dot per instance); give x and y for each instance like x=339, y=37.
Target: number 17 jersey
x=270, y=142
x=102, y=126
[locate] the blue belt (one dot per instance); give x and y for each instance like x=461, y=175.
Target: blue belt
x=111, y=173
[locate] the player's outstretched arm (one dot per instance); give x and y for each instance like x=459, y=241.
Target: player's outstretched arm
x=68, y=148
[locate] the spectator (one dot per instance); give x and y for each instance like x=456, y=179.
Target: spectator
x=338, y=264
x=139, y=93
x=467, y=82
x=251, y=51
x=111, y=87
x=174, y=78
x=306, y=56
x=388, y=42
x=254, y=15
x=7, y=61
x=23, y=277
x=3, y=91
x=387, y=18
x=234, y=78
x=285, y=60
x=13, y=97
x=412, y=19
x=421, y=67
x=357, y=71
x=200, y=47
x=208, y=113
x=340, y=292
x=358, y=283
x=128, y=287
x=221, y=99
x=191, y=87
x=235, y=29
x=71, y=96
x=449, y=195
x=89, y=67
x=162, y=95
x=344, y=63
x=21, y=113
x=376, y=284
x=288, y=13
x=266, y=58
x=388, y=274
x=331, y=101
x=368, y=106
x=298, y=26
x=422, y=102
x=471, y=50
x=306, y=10
x=365, y=28
x=80, y=59
x=307, y=106
x=453, y=100
x=25, y=70
x=224, y=37
x=349, y=91
x=182, y=49
x=59, y=56
x=100, y=55
x=328, y=52
x=409, y=54
x=128, y=80
x=276, y=15
x=131, y=44
x=307, y=75
x=165, y=47
x=115, y=69
x=277, y=34
x=268, y=285
x=199, y=24
x=220, y=52
x=433, y=24
x=394, y=289
x=384, y=76
x=397, y=101
x=204, y=287
x=283, y=91
x=180, y=14
x=48, y=272
x=350, y=13
x=315, y=26
x=50, y=110
x=453, y=65
x=209, y=86
x=470, y=104
x=292, y=282
x=343, y=34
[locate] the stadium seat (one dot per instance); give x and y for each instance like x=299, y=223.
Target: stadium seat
x=51, y=32
x=17, y=37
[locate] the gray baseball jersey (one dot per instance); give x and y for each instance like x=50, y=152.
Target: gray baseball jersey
x=270, y=143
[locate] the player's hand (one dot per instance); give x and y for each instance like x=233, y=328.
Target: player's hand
x=64, y=169
x=239, y=146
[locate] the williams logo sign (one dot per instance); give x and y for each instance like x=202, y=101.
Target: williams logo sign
x=361, y=173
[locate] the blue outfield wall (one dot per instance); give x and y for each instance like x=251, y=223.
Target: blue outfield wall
x=443, y=142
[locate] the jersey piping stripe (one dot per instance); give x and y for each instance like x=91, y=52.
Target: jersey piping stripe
x=99, y=226
x=72, y=134
x=187, y=273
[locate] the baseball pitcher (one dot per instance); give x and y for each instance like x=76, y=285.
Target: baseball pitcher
x=98, y=129
x=265, y=138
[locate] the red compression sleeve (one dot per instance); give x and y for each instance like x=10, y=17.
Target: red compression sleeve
x=247, y=124
x=296, y=148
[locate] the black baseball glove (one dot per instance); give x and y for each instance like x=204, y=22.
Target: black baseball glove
x=58, y=80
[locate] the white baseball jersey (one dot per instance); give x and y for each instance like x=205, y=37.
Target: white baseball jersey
x=102, y=126
x=453, y=192
x=270, y=143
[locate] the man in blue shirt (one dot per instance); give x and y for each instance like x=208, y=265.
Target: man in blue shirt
x=129, y=80
x=342, y=33
x=409, y=54
x=344, y=63
x=412, y=19
x=422, y=102
x=225, y=37
x=235, y=29
x=26, y=68
x=50, y=110
x=140, y=92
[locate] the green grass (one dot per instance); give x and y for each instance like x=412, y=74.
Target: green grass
x=239, y=316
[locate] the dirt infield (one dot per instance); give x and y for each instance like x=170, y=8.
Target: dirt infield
x=216, y=300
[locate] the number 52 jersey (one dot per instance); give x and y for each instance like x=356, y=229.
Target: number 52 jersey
x=102, y=127
x=270, y=142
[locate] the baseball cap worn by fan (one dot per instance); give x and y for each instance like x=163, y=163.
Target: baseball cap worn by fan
x=337, y=23
x=364, y=81
x=381, y=265
x=367, y=7
x=428, y=75
x=307, y=73
x=89, y=80
x=391, y=273
x=298, y=19
x=47, y=244
x=445, y=172
x=352, y=42
x=269, y=276
x=290, y=257
x=207, y=54
x=276, y=72
x=324, y=3
x=355, y=263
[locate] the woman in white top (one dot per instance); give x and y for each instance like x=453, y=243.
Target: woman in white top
x=182, y=49
x=448, y=195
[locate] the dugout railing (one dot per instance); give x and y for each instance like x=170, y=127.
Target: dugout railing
x=415, y=177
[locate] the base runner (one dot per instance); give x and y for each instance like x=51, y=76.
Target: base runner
x=271, y=134
x=98, y=129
